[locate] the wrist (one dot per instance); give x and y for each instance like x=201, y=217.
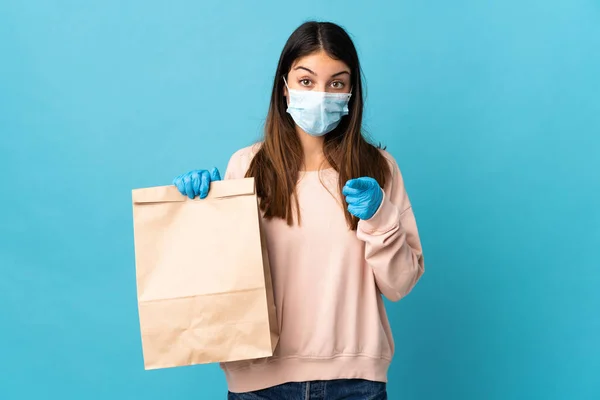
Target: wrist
x=377, y=202
x=385, y=218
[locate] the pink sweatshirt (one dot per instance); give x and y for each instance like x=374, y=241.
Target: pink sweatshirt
x=328, y=282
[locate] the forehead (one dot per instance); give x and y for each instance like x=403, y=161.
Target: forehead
x=321, y=62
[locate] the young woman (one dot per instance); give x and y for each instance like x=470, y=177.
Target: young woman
x=339, y=227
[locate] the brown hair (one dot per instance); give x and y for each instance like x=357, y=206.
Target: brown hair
x=276, y=165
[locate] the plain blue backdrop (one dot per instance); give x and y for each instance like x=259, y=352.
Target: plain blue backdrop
x=492, y=109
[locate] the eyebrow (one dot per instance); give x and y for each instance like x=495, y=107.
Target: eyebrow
x=334, y=75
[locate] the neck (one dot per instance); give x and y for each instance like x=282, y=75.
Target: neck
x=312, y=148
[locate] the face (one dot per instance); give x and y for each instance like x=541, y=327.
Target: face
x=319, y=72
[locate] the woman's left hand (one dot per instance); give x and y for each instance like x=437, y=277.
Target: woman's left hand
x=364, y=196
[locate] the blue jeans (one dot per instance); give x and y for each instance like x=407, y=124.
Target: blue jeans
x=342, y=389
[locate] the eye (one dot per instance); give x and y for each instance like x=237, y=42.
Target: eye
x=337, y=85
x=304, y=82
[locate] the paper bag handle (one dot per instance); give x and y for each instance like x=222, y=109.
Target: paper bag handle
x=218, y=190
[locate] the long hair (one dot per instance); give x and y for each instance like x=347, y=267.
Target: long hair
x=277, y=163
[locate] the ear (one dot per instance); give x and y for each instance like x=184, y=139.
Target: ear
x=285, y=91
x=285, y=95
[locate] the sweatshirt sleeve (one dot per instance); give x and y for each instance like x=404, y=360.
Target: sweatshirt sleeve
x=239, y=162
x=233, y=170
x=392, y=245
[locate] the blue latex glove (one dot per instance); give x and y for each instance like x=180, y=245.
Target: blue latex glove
x=196, y=182
x=364, y=196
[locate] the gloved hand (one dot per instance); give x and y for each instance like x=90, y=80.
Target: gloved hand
x=196, y=182
x=364, y=196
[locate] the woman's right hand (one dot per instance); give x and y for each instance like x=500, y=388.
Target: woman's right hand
x=196, y=182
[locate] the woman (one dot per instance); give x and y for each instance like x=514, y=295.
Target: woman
x=339, y=226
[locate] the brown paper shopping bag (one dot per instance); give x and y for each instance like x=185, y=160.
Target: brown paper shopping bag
x=203, y=278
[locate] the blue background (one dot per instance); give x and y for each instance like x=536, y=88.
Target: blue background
x=491, y=108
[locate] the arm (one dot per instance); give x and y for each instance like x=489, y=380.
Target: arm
x=392, y=245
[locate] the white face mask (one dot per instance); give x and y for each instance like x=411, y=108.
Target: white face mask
x=317, y=113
